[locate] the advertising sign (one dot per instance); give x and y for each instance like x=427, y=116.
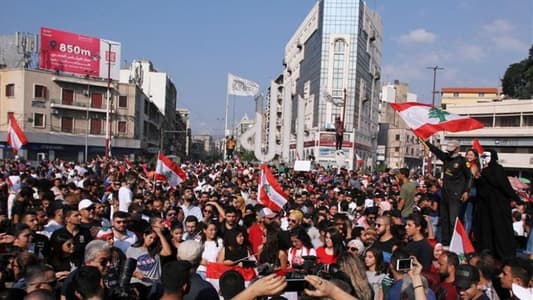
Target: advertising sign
x=79, y=54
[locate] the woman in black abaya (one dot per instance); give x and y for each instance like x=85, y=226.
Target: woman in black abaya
x=494, y=222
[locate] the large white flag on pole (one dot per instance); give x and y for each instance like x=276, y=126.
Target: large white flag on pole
x=241, y=87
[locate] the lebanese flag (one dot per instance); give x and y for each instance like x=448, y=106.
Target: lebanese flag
x=270, y=193
x=170, y=170
x=425, y=120
x=15, y=136
x=213, y=271
x=477, y=146
x=460, y=243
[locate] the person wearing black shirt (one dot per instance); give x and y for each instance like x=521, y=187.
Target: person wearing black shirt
x=80, y=236
x=40, y=245
x=418, y=245
x=455, y=186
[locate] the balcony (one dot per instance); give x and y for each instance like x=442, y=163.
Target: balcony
x=78, y=106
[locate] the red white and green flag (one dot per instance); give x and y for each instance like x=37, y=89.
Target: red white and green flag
x=425, y=120
x=166, y=167
x=270, y=193
x=15, y=136
x=460, y=243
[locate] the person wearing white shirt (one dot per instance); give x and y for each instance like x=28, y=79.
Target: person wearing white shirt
x=125, y=196
x=122, y=237
x=212, y=246
x=301, y=247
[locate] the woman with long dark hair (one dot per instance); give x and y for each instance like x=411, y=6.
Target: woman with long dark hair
x=466, y=209
x=148, y=251
x=60, y=259
x=375, y=270
x=212, y=246
x=333, y=247
x=235, y=248
x=271, y=252
x=301, y=247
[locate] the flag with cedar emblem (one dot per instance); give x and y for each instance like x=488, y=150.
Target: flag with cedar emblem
x=173, y=173
x=270, y=193
x=425, y=120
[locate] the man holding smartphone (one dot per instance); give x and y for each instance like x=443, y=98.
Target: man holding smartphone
x=418, y=245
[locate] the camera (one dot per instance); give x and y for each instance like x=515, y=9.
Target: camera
x=296, y=278
x=124, y=289
x=404, y=264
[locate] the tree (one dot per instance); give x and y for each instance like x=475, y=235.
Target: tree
x=518, y=79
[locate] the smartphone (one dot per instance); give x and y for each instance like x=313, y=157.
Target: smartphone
x=404, y=264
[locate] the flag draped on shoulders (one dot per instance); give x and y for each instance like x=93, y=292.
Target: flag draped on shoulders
x=173, y=173
x=460, y=243
x=15, y=136
x=241, y=87
x=425, y=120
x=270, y=193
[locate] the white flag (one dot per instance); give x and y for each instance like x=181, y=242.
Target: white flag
x=241, y=87
x=329, y=98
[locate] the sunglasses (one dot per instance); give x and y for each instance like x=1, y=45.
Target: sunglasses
x=353, y=249
x=171, y=214
x=379, y=225
x=292, y=221
x=208, y=211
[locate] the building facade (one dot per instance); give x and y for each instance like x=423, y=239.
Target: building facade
x=64, y=115
x=183, y=132
x=160, y=89
x=397, y=145
x=508, y=130
x=332, y=69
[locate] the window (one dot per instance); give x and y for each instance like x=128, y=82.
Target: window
x=122, y=127
x=96, y=126
x=123, y=101
x=481, y=94
x=508, y=121
x=10, y=90
x=397, y=138
x=39, y=91
x=396, y=149
x=456, y=95
x=39, y=120
x=96, y=100
x=66, y=124
x=67, y=96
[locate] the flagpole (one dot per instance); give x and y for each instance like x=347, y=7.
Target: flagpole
x=226, y=122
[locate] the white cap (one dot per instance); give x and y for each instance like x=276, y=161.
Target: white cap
x=85, y=203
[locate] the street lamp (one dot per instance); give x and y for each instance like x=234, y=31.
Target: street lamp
x=108, y=56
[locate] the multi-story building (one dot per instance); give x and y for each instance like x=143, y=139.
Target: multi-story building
x=397, y=145
x=158, y=86
x=508, y=130
x=64, y=115
x=332, y=69
x=244, y=124
x=203, y=147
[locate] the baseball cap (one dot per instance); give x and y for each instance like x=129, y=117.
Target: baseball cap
x=465, y=276
x=357, y=244
x=267, y=213
x=85, y=203
x=452, y=145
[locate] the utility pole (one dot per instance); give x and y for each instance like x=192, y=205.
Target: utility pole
x=435, y=69
x=430, y=155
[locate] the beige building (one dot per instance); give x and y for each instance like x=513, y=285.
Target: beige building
x=64, y=116
x=508, y=130
x=468, y=95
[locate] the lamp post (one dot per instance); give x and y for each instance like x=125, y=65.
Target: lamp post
x=433, y=92
x=108, y=56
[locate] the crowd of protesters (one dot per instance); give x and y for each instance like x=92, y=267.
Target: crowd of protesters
x=69, y=230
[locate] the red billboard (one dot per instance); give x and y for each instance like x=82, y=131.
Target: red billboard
x=79, y=54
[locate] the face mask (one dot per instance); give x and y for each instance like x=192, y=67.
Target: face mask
x=486, y=158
